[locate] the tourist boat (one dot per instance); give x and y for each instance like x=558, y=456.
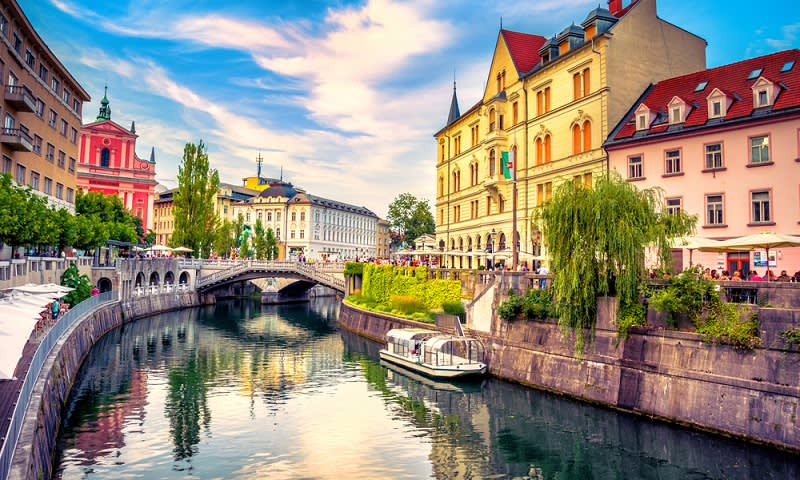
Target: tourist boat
x=434, y=354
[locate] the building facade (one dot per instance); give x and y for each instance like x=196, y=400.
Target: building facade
x=163, y=217
x=383, y=239
x=547, y=108
x=109, y=164
x=723, y=144
x=318, y=228
x=41, y=109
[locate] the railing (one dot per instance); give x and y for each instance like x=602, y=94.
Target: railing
x=304, y=269
x=48, y=341
x=157, y=289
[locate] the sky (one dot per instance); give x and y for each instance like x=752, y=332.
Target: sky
x=343, y=97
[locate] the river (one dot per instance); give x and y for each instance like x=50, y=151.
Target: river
x=241, y=390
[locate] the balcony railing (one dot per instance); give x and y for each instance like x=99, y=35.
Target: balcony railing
x=17, y=139
x=21, y=98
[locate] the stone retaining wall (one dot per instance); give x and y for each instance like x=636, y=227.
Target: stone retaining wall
x=752, y=394
x=33, y=458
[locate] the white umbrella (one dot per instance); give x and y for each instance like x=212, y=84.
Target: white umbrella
x=160, y=248
x=703, y=244
x=762, y=240
x=182, y=249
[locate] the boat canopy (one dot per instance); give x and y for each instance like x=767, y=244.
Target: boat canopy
x=450, y=350
x=404, y=335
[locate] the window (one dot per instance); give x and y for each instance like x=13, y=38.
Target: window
x=20, y=174
x=701, y=86
x=76, y=106
x=64, y=127
x=302, y=233
x=547, y=99
x=635, y=168
x=457, y=144
x=581, y=84
x=278, y=216
x=30, y=58
x=641, y=121
x=547, y=148
x=43, y=73
x=539, y=102
x=51, y=152
x=761, y=211
x=48, y=185
x=105, y=158
x=65, y=96
x=269, y=216
x=475, y=135
x=515, y=113
x=62, y=158
x=37, y=144
x=492, y=163
x=755, y=73
x=539, y=151
x=52, y=119
x=676, y=115
x=492, y=120
x=292, y=234
x=763, y=98
x=39, y=108
x=586, y=82
x=587, y=136
x=7, y=164
x=17, y=44
x=294, y=216
x=3, y=24
x=787, y=66
x=59, y=191
x=672, y=162
x=34, y=181
x=72, y=167
x=302, y=217
x=716, y=109
x=73, y=135
x=759, y=149
x=54, y=84
x=674, y=205
x=9, y=121
x=576, y=86
x=713, y=156
x=714, y=212
x=544, y=192
x=488, y=205
x=576, y=139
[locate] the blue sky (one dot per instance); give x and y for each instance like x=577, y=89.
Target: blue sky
x=344, y=96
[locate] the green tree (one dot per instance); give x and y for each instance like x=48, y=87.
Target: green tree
x=82, y=285
x=224, y=238
x=118, y=223
x=271, y=244
x=409, y=217
x=596, y=240
x=68, y=232
x=195, y=219
x=150, y=238
x=259, y=240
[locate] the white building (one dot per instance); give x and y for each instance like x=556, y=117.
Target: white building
x=319, y=228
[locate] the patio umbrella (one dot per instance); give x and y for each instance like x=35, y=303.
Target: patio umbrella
x=762, y=240
x=183, y=250
x=703, y=244
x=160, y=248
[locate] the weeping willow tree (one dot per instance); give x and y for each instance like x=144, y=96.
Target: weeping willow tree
x=596, y=240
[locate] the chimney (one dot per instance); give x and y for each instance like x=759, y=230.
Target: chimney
x=615, y=7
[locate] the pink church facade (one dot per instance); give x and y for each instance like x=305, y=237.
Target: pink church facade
x=723, y=144
x=109, y=164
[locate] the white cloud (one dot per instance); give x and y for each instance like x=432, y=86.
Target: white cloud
x=789, y=37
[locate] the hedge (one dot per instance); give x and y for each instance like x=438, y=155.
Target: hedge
x=380, y=282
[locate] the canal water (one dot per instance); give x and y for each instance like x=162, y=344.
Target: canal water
x=240, y=390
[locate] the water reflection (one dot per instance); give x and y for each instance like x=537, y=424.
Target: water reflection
x=241, y=390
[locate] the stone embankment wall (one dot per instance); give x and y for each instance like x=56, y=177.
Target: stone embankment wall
x=676, y=376
x=33, y=458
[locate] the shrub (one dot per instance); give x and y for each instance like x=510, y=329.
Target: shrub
x=630, y=315
x=792, y=335
x=726, y=326
x=455, y=308
x=538, y=303
x=353, y=268
x=511, y=308
x=407, y=304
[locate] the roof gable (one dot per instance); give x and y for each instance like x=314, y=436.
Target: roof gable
x=523, y=48
x=108, y=127
x=731, y=81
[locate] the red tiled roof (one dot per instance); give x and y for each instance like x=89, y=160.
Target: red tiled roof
x=524, y=49
x=731, y=80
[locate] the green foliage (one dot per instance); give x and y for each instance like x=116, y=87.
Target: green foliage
x=630, y=314
x=455, y=308
x=353, y=268
x=596, y=239
x=382, y=281
x=409, y=218
x=725, y=325
x=402, y=306
x=407, y=304
x=195, y=218
x=83, y=286
x=792, y=335
x=535, y=304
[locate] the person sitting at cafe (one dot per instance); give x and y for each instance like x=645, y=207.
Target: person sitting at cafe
x=737, y=276
x=755, y=277
x=725, y=276
x=784, y=277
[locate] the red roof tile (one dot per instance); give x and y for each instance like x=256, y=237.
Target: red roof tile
x=524, y=49
x=730, y=79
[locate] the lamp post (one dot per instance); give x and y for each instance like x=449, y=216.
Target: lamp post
x=491, y=247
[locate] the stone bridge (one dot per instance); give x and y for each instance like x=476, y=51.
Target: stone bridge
x=286, y=280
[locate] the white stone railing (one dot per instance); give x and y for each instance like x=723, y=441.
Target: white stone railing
x=141, y=291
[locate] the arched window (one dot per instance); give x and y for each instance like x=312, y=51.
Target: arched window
x=539, y=156
x=587, y=136
x=492, y=164
x=576, y=139
x=501, y=205
x=546, y=148
x=105, y=157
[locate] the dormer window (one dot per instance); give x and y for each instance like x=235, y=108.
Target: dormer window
x=677, y=111
x=643, y=117
x=718, y=103
x=641, y=121
x=764, y=93
x=716, y=109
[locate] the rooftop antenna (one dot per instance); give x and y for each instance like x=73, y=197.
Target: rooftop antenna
x=259, y=161
x=501, y=23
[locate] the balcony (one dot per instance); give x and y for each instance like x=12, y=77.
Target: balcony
x=20, y=98
x=16, y=139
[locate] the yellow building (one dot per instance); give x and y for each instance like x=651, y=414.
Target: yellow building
x=383, y=239
x=549, y=104
x=227, y=195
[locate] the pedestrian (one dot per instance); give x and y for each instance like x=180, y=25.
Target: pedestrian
x=784, y=277
x=95, y=291
x=55, y=309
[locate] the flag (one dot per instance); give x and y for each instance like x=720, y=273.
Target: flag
x=508, y=164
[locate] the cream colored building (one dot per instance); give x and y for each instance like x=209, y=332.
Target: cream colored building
x=319, y=228
x=383, y=239
x=549, y=103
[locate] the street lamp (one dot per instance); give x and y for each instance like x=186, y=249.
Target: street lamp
x=491, y=246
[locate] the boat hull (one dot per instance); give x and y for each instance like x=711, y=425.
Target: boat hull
x=434, y=371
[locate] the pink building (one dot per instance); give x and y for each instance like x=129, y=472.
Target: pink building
x=109, y=164
x=724, y=144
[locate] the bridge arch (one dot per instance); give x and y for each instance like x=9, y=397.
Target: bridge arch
x=155, y=278
x=104, y=285
x=169, y=278
x=139, y=280
x=184, y=278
